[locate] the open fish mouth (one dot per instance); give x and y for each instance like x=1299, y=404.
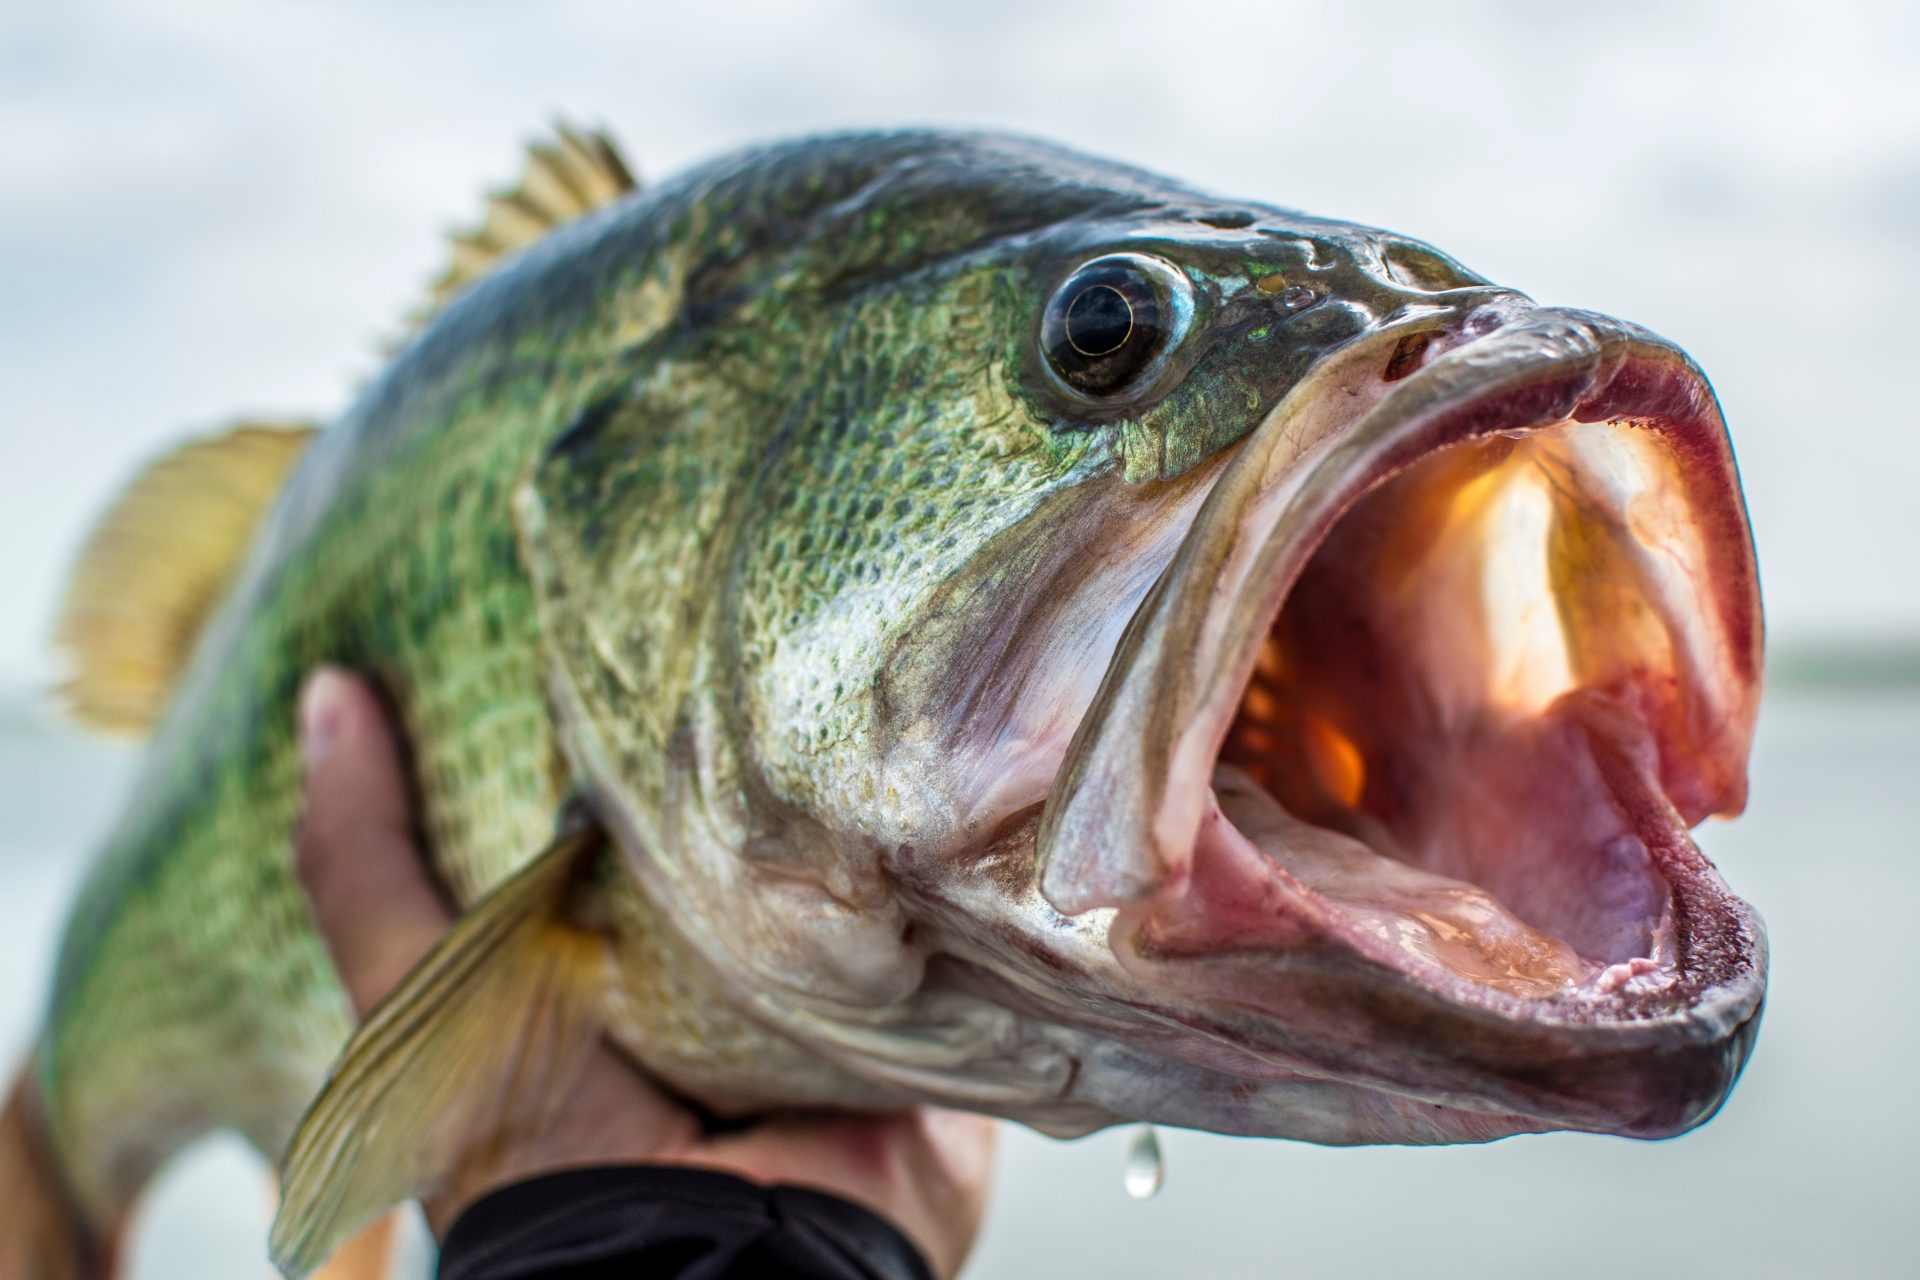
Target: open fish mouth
x=1390, y=782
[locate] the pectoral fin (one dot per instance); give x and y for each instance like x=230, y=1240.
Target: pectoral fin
x=475, y=1049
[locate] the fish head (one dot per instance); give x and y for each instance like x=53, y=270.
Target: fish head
x=1382, y=805
x=1206, y=665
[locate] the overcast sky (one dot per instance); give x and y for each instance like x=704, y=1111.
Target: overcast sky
x=215, y=207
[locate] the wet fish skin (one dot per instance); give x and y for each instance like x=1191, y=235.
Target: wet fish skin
x=729, y=510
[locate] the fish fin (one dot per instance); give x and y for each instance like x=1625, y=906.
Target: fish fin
x=43, y=1234
x=441, y=1076
x=155, y=566
x=574, y=173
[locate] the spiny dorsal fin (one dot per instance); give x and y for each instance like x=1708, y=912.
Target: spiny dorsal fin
x=157, y=564
x=575, y=173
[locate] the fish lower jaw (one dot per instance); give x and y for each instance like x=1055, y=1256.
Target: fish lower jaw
x=1613, y=942
x=1316, y=954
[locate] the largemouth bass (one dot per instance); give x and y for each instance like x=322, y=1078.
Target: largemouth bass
x=931, y=617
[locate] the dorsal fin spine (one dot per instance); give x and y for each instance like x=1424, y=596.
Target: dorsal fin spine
x=571, y=175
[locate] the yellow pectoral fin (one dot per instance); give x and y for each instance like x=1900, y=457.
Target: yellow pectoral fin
x=475, y=1050
x=157, y=564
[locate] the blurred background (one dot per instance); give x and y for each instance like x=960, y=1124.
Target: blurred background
x=216, y=207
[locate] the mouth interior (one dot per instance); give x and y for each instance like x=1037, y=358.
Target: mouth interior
x=1447, y=740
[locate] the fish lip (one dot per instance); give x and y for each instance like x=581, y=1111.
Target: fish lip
x=1645, y=1064
x=1118, y=833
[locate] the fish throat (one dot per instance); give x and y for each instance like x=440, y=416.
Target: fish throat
x=1444, y=739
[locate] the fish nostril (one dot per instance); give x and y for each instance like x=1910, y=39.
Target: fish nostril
x=1292, y=297
x=1298, y=298
x=1418, y=267
x=1406, y=357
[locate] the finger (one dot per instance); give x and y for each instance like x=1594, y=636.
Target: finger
x=610, y=1116
x=948, y=1158
x=953, y=1173
x=354, y=850
x=960, y=1145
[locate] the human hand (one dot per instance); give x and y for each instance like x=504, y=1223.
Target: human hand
x=924, y=1170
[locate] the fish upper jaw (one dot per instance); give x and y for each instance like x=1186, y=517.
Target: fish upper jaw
x=1390, y=781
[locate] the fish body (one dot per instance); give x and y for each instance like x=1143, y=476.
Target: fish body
x=890, y=541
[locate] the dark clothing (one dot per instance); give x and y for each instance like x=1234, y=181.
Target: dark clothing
x=671, y=1223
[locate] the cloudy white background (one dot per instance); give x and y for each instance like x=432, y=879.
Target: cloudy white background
x=217, y=207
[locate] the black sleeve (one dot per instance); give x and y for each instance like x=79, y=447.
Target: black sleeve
x=671, y=1223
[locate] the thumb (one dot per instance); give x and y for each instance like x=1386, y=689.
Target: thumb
x=355, y=850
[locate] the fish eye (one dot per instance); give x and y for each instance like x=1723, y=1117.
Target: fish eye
x=1107, y=327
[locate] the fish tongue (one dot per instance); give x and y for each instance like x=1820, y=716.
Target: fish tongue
x=1264, y=879
x=1377, y=896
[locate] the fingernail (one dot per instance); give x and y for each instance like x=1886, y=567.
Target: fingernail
x=323, y=714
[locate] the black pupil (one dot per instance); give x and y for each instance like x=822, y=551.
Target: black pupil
x=1102, y=328
x=1099, y=321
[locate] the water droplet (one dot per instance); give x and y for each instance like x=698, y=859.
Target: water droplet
x=1146, y=1168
